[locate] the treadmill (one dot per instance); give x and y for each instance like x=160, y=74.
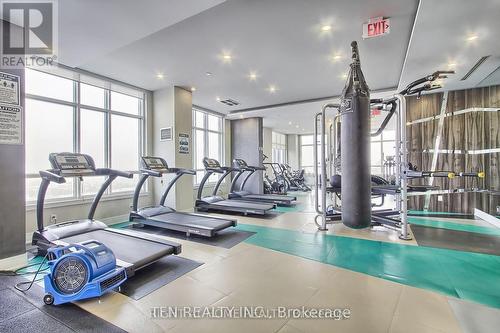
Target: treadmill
x=133, y=250
x=165, y=217
x=218, y=203
x=241, y=167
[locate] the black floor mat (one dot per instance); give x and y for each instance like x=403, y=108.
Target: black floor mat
x=156, y=275
x=456, y=240
x=226, y=238
x=26, y=312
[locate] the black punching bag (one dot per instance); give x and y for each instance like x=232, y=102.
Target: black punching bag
x=355, y=152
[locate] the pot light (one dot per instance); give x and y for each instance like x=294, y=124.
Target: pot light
x=160, y=76
x=217, y=99
x=272, y=89
x=336, y=57
x=289, y=123
x=208, y=73
x=227, y=57
x=470, y=38
x=193, y=89
x=452, y=64
x=252, y=76
x=343, y=76
x=296, y=126
x=326, y=28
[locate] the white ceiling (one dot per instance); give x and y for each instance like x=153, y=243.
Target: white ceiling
x=282, y=41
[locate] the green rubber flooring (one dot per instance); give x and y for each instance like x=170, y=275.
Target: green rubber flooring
x=455, y=226
x=465, y=275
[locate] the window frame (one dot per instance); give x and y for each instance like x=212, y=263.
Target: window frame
x=277, y=147
x=77, y=196
x=206, y=132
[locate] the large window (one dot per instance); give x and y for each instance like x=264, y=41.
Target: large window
x=66, y=115
x=207, y=141
x=279, y=147
x=382, y=146
x=307, y=153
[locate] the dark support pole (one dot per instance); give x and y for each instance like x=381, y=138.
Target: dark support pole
x=137, y=192
x=202, y=184
x=98, y=196
x=355, y=152
x=40, y=202
x=169, y=187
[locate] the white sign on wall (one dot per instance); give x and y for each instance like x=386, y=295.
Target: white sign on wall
x=9, y=89
x=183, y=143
x=11, y=124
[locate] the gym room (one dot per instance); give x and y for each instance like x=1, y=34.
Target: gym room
x=274, y=166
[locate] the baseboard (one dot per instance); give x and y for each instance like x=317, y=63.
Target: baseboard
x=487, y=217
x=13, y=263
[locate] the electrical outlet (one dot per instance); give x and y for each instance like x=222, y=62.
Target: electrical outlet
x=53, y=218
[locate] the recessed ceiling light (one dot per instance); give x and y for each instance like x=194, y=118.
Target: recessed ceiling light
x=289, y=123
x=217, y=98
x=344, y=76
x=326, y=27
x=303, y=129
x=336, y=57
x=470, y=38
x=252, y=76
x=160, y=76
x=452, y=64
x=272, y=89
x=193, y=88
x=296, y=126
x=241, y=116
x=208, y=73
x=227, y=57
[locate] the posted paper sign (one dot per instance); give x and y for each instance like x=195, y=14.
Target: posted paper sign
x=9, y=89
x=11, y=124
x=183, y=143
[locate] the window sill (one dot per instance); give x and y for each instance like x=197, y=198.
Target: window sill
x=31, y=206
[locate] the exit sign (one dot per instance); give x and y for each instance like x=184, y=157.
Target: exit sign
x=375, y=27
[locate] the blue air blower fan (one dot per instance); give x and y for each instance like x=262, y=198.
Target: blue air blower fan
x=81, y=270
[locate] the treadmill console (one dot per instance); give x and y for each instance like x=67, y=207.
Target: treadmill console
x=239, y=163
x=211, y=163
x=72, y=164
x=154, y=163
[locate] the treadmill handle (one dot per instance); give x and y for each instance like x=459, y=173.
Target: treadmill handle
x=113, y=172
x=181, y=171
x=152, y=173
x=52, y=177
x=216, y=170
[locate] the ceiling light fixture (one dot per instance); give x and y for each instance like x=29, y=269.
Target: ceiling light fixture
x=217, y=98
x=227, y=57
x=160, y=76
x=208, y=73
x=336, y=57
x=252, y=76
x=272, y=89
x=452, y=64
x=344, y=76
x=289, y=123
x=296, y=126
x=470, y=38
x=193, y=89
x=326, y=28
x=241, y=116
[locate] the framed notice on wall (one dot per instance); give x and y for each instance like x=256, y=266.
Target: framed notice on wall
x=11, y=124
x=183, y=143
x=9, y=89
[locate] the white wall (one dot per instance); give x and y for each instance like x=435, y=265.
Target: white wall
x=293, y=150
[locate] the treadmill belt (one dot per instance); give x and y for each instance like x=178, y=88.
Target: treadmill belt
x=194, y=221
x=157, y=275
x=269, y=197
x=133, y=250
x=225, y=238
x=456, y=240
x=242, y=204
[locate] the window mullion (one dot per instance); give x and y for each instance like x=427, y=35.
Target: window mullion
x=77, y=186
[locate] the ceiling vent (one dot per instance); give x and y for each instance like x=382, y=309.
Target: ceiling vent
x=230, y=102
x=474, y=68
